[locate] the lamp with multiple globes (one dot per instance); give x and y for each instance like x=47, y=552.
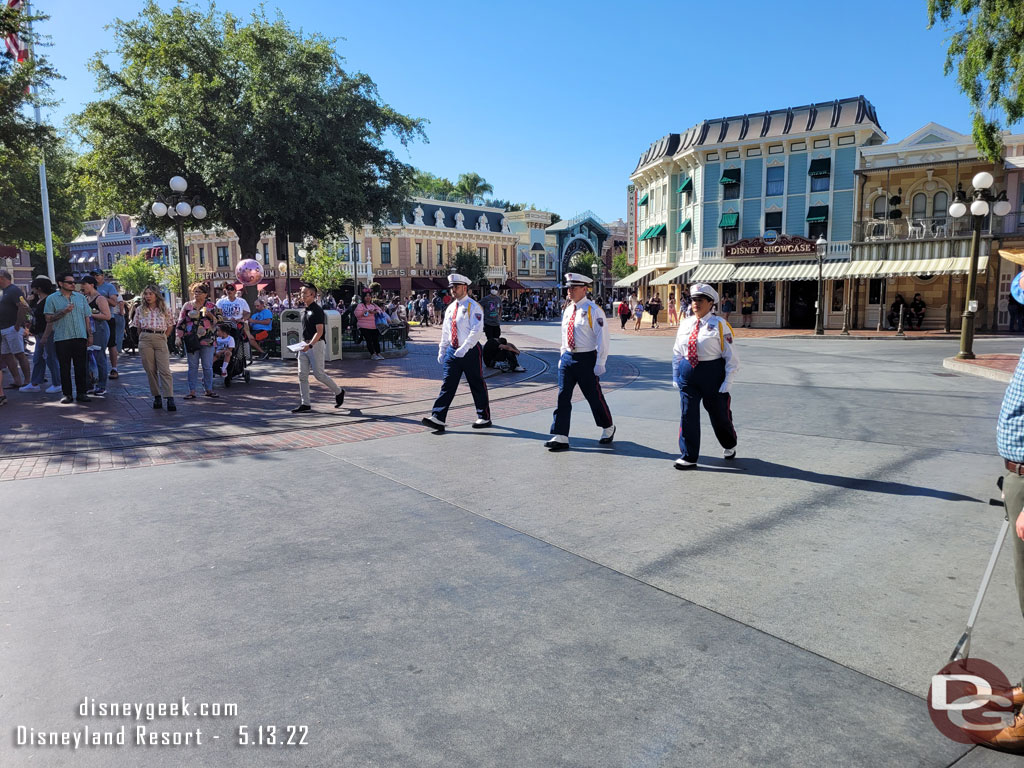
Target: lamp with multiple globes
x=982, y=202
x=177, y=207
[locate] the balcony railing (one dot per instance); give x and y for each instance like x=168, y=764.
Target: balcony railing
x=496, y=274
x=928, y=228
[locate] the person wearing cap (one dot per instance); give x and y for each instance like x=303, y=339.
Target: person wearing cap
x=460, y=353
x=703, y=365
x=584, y=353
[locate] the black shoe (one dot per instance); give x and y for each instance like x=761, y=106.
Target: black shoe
x=170, y=404
x=429, y=421
x=158, y=402
x=339, y=399
x=83, y=399
x=302, y=409
x=481, y=424
x=67, y=399
x=606, y=436
x=556, y=445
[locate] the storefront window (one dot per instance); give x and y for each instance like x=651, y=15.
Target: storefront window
x=768, y=304
x=754, y=290
x=875, y=291
x=837, y=295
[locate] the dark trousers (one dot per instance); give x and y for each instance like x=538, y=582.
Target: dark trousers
x=68, y=352
x=372, y=338
x=492, y=331
x=578, y=368
x=472, y=366
x=697, y=384
x=624, y=319
x=1013, y=490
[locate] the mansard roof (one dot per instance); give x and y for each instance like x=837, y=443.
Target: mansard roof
x=471, y=213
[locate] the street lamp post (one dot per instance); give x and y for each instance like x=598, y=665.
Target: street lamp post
x=178, y=207
x=819, y=315
x=979, y=210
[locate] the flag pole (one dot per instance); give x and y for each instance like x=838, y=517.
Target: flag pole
x=43, y=191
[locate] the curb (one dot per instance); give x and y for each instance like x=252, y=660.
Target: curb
x=973, y=369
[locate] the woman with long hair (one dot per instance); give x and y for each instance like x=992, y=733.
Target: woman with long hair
x=155, y=325
x=366, y=319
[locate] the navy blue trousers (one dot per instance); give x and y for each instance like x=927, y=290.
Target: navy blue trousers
x=472, y=366
x=578, y=368
x=698, y=384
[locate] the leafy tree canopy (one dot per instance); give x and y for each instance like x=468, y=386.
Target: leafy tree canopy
x=133, y=273
x=325, y=270
x=620, y=266
x=986, y=49
x=468, y=263
x=262, y=121
x=470, y=188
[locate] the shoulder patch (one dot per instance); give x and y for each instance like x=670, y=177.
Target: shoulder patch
x=600, y=321
x=478, y=316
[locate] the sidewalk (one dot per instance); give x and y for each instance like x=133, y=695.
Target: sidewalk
x=995, y=367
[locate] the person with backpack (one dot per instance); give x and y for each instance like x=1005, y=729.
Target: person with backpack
x=492, y=313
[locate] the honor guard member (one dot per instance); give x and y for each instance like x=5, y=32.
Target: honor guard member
x=584, y=351
x=460, y=353
x=703, y=364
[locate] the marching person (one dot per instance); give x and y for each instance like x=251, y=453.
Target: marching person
x=584, y=352
x=460, y=353
x=312, y=354
x=703, y=365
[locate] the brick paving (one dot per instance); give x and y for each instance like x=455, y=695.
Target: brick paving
x=43, y=438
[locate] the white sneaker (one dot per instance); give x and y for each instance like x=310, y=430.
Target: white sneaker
x=607, y=435
x=557, y=443
x=519, y=369
x=682, y=463
x=53, y=390
x=30, y=388
x=729, y=453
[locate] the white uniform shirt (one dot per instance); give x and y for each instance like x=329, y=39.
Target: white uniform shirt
x=709, y=343
x=469, y=324
x=589, y=331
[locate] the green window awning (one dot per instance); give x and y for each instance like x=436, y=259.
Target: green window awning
x=647, y=233
x=729, y=221
x=820, y=167
x=659, y=230
x=730, y=176
x=643, y=200
x=817, y=213
x=687, y=185
x=685, y=226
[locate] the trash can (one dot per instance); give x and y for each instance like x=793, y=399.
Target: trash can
x=332, y=334
x=291, y=332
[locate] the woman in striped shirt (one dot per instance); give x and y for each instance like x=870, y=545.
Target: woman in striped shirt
x=155, y=325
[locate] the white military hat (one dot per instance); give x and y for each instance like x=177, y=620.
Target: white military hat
x=574, y=279
x=457, y=279
x=703, y=289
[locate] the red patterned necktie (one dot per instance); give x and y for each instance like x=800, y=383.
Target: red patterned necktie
x=571, y=335
x=691, y=346
x=455, y=328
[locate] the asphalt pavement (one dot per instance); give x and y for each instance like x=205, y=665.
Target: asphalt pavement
x=469, y=599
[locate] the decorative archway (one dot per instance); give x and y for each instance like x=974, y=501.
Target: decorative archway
x=575, y=247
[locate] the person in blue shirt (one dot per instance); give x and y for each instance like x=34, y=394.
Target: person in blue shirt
x=1010, y=442
x=261, y=322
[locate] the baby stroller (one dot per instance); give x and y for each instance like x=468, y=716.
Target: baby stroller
x=239, y=365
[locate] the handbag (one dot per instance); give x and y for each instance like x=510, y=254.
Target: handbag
x=192, y=342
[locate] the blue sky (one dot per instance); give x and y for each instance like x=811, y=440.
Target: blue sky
x=553, y=102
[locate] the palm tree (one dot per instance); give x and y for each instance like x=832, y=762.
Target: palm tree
x=472, y=186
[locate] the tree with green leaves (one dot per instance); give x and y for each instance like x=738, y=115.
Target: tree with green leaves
x=472, y=186
x=171, y=275
x=986, y=48
x=468, y=263
x=585, y=263
x=325, y=270
x=134, y=273
x=262, y=121
x=620, y=265
x=23, y=143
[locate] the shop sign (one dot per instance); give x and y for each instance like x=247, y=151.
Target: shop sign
x=782, y=245
x=389, y=273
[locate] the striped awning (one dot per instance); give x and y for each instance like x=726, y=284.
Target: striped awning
x=712, y=273
x=634, y=278
x=907, y=267
x=801, y=269
x=673, y=275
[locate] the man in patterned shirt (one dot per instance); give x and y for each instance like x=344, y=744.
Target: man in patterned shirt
x=1010, y=441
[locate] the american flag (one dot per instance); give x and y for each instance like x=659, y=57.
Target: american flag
x=15, y=46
